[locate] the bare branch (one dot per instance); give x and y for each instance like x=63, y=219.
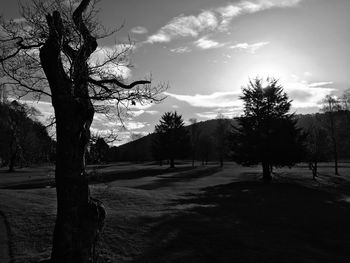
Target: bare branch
x=101, y=83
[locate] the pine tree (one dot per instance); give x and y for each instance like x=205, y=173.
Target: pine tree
x=267, y=133
x=171, y=140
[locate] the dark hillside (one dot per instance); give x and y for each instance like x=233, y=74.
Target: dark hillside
x=140, y=150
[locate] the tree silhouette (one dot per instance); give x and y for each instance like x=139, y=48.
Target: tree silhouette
x=195, y=134
x=23, y=140
x=331, y=106
x=205, y=147
x=98, y=151
x=318, y=146
x=267, y=133
x=220, y=135
x=171, y=140
x=50, y=54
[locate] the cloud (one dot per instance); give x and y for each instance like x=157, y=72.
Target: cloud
x=132, y=125
x=206, y=43
x=181, y=50
x=214, y=19
x=251, y=48
x=306, y=96
x=139, y=30
x=44, y=107
x=71, y=3
x=214, y=100
x=152, y=112
x=185, y=26
x=118, y=67
x=226, y=112
x=320, y=84
x=231, y=11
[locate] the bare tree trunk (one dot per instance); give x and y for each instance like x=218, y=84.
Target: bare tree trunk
x=12, y=162
x=221, y=161
x=314, y=170
x=79, y=217
x=335, y=151
x=266, y=172
x=334, y=141
x=172, y=163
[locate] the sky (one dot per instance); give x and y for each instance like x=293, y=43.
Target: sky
x=208, y=50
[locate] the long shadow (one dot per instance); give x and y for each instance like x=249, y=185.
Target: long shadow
x=253, y=222
x=99, y=177
x=133, y=174
x=178, y=177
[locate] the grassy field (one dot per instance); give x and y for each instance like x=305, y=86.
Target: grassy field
x=206, y=214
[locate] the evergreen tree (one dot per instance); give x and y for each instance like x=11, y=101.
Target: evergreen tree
x=267, y=133
x=171, y=140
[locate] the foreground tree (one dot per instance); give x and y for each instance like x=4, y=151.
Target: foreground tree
x=171, y=138
x=50, y=52
x=267, y=133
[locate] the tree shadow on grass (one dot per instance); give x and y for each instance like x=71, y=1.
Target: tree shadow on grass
x=253, y=222
x=185, y=176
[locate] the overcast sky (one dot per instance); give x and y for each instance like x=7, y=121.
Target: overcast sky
x=207, y=50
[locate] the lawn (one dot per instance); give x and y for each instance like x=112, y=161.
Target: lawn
x=195, y=215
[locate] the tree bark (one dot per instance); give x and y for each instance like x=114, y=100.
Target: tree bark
x=172, y=163
x=12, y=162
x=221, y=161
x=266, y=172
x=79, y=217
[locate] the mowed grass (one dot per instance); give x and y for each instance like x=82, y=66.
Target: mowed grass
x=295, y=219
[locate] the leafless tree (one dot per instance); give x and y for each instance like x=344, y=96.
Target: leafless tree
x=195, y=133
x=330, y=106
x=220, y=135
x=51, y=53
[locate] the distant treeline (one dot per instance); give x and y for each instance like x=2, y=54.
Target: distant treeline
x=141, y=150
x=24, y=141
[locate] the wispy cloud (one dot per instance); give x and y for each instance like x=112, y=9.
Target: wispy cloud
x=251, y=48
x=231, y=11
x=226, y=112
x=214, y=100
x=206, y=43
x=181, y=50
x=139, y=30
x=214, y=19
x=185, y=26
x=118, y=67
x=307, y=95
x=320, y=84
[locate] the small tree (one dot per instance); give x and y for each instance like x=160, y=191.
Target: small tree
x=205, y=147
x=317, y=144
x=195, y=133
x=172, y=139
x=98, y=151
x=267, y=133
x=331, y=106
x=220, y=136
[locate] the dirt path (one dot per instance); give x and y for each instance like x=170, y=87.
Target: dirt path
x=4, y=241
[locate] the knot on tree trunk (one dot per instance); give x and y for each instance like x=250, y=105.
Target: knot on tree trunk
x=96, y=215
